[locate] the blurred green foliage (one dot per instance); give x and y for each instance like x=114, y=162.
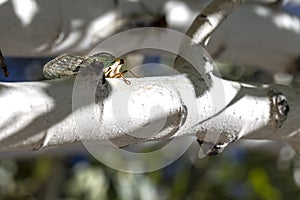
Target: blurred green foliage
x=235, y=174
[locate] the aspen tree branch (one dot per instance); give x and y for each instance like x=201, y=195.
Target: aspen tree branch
x=200, y=31
x=210, y=18
x=202, y=28
x=39, y=114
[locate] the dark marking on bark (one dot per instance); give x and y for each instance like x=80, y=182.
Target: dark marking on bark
x=210, y=148
x=205, y=18
x=216, y=147
x=183, y=114
x=279, y=108
x=208, y=76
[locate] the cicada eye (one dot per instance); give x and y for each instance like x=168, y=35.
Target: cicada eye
x=119, y=61
x=122, y=61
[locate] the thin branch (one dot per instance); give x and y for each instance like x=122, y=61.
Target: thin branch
x=210, y=19
x=202, y=27
x=3, y=65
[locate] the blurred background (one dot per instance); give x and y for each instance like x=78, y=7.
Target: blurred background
x=245, y=170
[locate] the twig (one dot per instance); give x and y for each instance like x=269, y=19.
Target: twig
x=200, y=30
x=3, y=65
x=210, y=18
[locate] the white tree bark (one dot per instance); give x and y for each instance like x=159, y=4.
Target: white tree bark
x=39, y=114
x=210, y=18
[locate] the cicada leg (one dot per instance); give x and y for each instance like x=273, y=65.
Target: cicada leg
x=133, y=74
x=125, y=80
x=120, y=75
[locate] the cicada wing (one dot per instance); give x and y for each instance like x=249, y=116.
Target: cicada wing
x=63, y=66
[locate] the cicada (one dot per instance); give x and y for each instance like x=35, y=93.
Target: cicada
x=67, y=65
